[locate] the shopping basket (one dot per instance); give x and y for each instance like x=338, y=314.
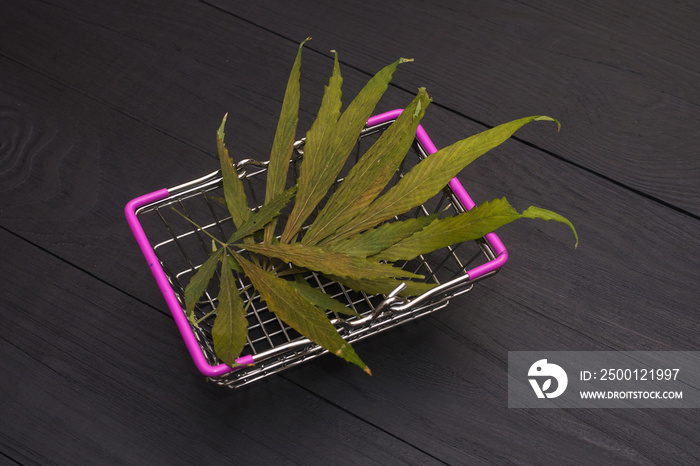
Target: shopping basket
x=175, y=248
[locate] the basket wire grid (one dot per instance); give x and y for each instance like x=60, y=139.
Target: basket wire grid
x=175, y=249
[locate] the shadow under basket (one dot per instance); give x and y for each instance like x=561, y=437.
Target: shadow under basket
x=175, y=249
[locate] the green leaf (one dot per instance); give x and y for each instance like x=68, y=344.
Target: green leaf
x=199, y=281
x=543, y=214
x=327, y=262
x=371, y=174
x=322, y=300
x=431, y=175
x=466, y=226
x=236, y=200
x=230, y=328
x=298, y=312
x=283, y=144
x=316, y=152
x=385, y=285
x=330, y=142
x=264, y=216
x=378, y=239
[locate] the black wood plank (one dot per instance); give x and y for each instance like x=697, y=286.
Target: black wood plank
x=92, y=376
x=107, y=119
x=139, y=59
x=622, y=78
x=623, y=289
x=70, y=166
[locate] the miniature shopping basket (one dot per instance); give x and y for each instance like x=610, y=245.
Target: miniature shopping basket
x=175, y=248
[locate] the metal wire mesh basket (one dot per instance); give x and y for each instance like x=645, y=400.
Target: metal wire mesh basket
x=174, y=249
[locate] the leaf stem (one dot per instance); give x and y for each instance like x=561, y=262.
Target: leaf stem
x=198, y=227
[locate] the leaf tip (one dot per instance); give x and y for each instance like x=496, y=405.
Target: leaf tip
x=220, y=132
x=546, y=118
x=405, y=60
x=366, y=369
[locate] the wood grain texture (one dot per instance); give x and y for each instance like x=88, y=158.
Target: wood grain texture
x=122, y=140
x=616, y=292
x=65, y=181
x=622, y=79
x=101, y=104
x=91, y=375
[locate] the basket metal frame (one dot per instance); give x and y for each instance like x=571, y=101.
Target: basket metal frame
x=273, y=346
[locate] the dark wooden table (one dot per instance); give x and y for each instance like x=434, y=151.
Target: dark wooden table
x=103, y=101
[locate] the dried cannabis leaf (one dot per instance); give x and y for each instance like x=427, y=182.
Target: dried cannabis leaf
x=371, y=173
x=354, y=235
x=330, y=141
x=198, y=283
x=234, y=193
x=430, y=176
x=230, y=326
x=329, y=263
x=285, y=137
x=466, y=226
x=298, y=312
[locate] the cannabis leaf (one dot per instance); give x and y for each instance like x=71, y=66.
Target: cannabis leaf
x=283, y=144
x=264, y=216
x=199, y=281
x=371, y=174
x=356, y=236
x=330, y=141
x=384, y=285
x=466, y=226
x=328, y=262
x=319, y=298
x=234, y=192
x=376, y=240
x=298, y=312
x=431, y=175
x=230, y=327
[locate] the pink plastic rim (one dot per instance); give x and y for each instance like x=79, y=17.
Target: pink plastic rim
x=164, y=285
x=171, y=300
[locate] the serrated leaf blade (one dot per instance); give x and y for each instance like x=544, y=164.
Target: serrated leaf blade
x=466, y=226
x=317, y=142
x=374, y=241
x=327, y=262
x=322, y=300
x=371, y=173
x=199, y=281
x=431, y=175
x=544, y=214
x=384, y=285
x=263, y=216
x=230, y=328
x=329, y=143
x=234, y=193
x=299, y=313
x=283, y=144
